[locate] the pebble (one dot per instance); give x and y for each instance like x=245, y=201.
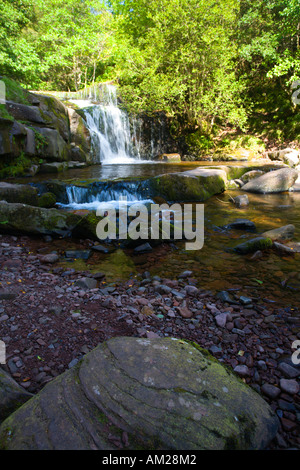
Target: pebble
x=289, y=386
x=270, y=391
x=242, y=370
x=288, y=370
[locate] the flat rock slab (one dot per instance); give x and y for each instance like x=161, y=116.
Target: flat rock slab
x=22, y=193
x=158, y=393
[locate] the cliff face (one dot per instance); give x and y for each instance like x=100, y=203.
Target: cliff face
x=39, y=133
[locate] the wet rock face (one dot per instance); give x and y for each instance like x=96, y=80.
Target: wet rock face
x=158, y=393
x=42, y=129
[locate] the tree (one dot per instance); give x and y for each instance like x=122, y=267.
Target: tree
x=17, y=57
x=178, y=55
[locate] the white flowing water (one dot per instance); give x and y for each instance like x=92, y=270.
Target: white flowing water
x=114, y=138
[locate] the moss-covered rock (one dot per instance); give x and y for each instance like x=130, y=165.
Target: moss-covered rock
x=47, y=200
x=194, y=185
x=250, y=246
x=22, y=218
x=166, y=394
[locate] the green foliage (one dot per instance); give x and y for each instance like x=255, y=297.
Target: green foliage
x=207, y=64
x=14, y=92
x=178, y=56
x=4, y=113
x=17, y=167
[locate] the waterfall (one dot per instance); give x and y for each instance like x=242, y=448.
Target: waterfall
x=115, y=139
x=96, y=194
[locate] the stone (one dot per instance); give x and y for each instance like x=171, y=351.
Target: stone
x=100, y=249
x=241, y=224
x=283, y=249
x=188, y=186
x=86, y=283
x=276, y=181
x=22, y=218
x=256, y=244
x=12, y=395
x=51, y=258
x=289, y=386
x=242, y=370
x=270, y=391
x=221, y=320
x=56, y=148
x=78, y=254
x=145, y=248
x=250, y=175
x=289, y=371
x=151, y=388
x=241, y=201
x=21, y=193
x=282, y=233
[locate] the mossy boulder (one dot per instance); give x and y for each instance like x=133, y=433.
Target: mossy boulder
x=250, y=246
x=164, y=393
x=194, y=185
x=47, y=200
x=12, y=395
x=22, y=218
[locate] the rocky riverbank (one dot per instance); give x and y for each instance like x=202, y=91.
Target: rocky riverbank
x=51, y=316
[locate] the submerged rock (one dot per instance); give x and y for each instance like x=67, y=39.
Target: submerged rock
x=282, y=233
x=241, y=201
x=162, y=392
x=241, y=224
x=251, y=246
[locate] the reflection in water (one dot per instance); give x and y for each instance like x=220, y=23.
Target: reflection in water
x=273, y=277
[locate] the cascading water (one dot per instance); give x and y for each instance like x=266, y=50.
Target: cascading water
x=114, y=138
x=95, y=195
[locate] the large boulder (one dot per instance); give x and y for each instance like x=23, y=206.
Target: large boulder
x=188, y=186
x=272, y=182
x=56, y=148
x=22, y=218
x=22, y=193
x=12, y=395
x=158, y=394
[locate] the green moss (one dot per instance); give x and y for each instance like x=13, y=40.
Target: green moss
x=12, y=167
x=4, y=114
x=47, y=200
x=14, y=92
